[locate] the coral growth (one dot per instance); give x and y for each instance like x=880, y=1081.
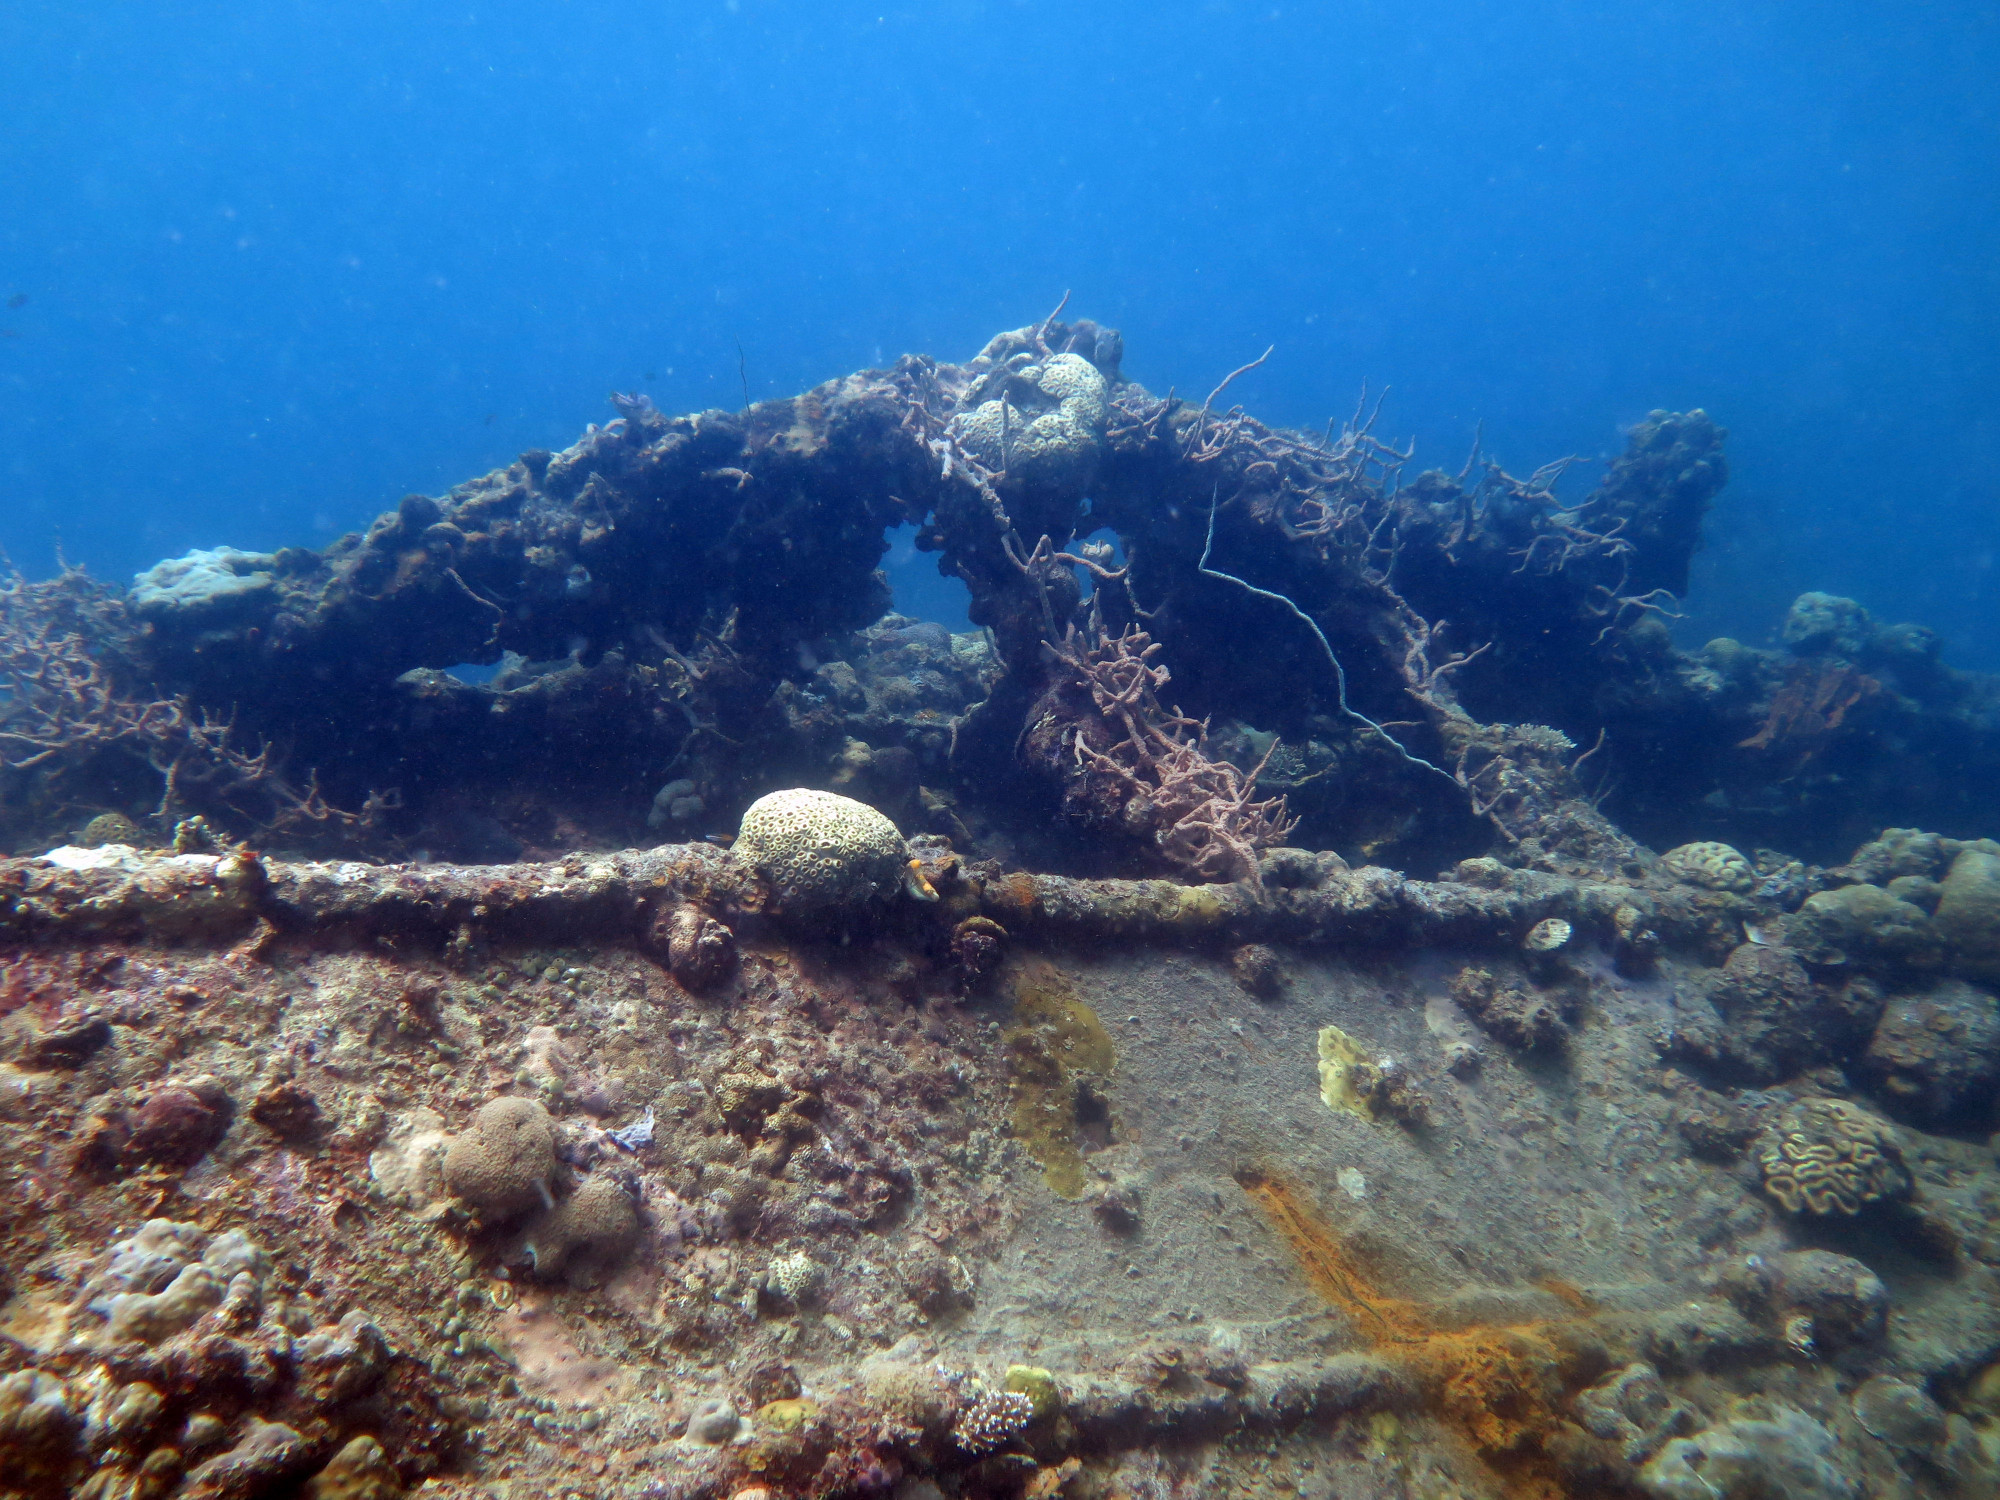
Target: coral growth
x=79, y=720
x=1137, y=767
x=1710, y=864
x=502, y=1163
x=594, y=1227
x=182, y=1365
x=1779, y=1452
x=1058, y=1059
x=1521, y=1015
x=700, y=951
x=1938, y=1051
x=824, y=853
x=765, y=1152
x=1826, y=1156
x=686, y=610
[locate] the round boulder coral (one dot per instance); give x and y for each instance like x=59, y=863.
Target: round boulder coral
x=1718, y=867
x=595, y=1225
x=699, y=950
x=823, y=852
x=1071, y=377
x=111, y=828
x=1826, y=1157
x=1047, y=427
x=1968, y=912
x=1901, y=851
x=1057, y=448
x=1866, y=926
x=1826, y=624
x=1937, y=1053
x=502, y=1164
x=1847, y=1302
x=1777, y=1020
x=176, y=1126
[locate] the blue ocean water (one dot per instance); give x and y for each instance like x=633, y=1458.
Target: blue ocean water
x=266, y=267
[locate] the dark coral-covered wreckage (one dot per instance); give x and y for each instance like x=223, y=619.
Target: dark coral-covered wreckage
x=695, y=601
x=1284, y=1066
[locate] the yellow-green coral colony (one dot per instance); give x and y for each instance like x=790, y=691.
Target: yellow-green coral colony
x=1343, y=1070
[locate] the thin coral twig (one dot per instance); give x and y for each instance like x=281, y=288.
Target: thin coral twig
x=1339, y=672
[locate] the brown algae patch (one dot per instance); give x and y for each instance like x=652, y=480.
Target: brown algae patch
x=1058, y=1055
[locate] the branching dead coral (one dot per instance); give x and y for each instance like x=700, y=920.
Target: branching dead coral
x=1200, y=811
x=61, y=699
x=68, y=699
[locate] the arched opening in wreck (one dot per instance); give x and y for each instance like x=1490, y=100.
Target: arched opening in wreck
x=917, y=589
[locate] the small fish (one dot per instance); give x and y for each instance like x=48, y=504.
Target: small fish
x=16, y=302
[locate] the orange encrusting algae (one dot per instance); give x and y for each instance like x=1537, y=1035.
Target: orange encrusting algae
x=1330, y=1266
x=1502, y=1387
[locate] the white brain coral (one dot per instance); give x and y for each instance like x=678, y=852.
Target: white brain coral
x=1054, y=444
x=1050, y=431
x=1716, y=866
x=1071, y=378
x=981, y=432
x=824, y=852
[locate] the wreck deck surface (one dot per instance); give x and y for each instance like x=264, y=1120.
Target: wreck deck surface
x=1237, y=1287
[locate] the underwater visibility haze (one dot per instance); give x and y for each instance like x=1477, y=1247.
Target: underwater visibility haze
x=998, y=751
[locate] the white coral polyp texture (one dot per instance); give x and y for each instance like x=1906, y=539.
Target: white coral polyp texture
x=1052, y=444
x=981, y=433
x=1715, y=866
x=822, y=852
x=1071, y=378
x=1061, y=447
x=201, y=581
